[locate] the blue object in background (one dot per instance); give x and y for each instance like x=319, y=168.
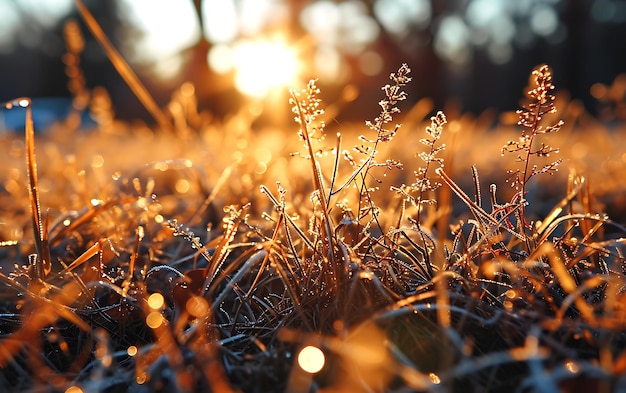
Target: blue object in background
x=46, y=112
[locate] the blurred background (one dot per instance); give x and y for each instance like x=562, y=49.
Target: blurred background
x=473, y=54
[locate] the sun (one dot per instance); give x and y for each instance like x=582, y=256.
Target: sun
x=264, y=65
x=259, y=66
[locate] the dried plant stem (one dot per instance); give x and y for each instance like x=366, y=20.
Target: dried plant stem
x=318, y=184
x=530, y=117
x=482, y=217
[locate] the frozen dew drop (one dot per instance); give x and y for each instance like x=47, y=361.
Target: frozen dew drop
x=572, y=367
x=434, y=378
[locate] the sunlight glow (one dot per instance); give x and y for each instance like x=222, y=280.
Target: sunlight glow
x=263, y=65
x=220, y=16
x=311, y=359
x=225, y=20
x=220, y=58
x=166, y=28
x=258, y=15
x=259, y=66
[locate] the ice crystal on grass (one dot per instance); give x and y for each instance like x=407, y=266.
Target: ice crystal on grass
x=306, y=107
x=185, y=233
x=530, y=119
x=501, y=306
x=423, y=183
x=384, y=134
x=393, y=95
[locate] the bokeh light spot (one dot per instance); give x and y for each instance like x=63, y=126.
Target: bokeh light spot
x=451, y=40
x=397, y=16
x=260, y=168
x=603, y=10
x=166, y=29
x=328, y=63
x=220, y=18
x=197, y=306
x=154, y=320
x=311, y=359
x=220, y=58
x=156, y=301
x=182, y=186
x=132, y=350
x=97, y=161
x=598, y=91
x=371, y=63
x=500, y=53
x=142, y=377
x=544, y=21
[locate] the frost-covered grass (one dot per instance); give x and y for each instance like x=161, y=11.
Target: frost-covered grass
x=445, y=254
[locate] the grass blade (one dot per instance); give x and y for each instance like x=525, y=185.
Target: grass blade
x=33, y=190
x=124, y=69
